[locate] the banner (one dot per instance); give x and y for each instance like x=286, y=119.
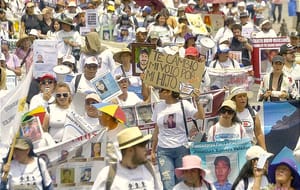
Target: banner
x=76, y=162
x=229, y=77
x=281, y=125
x=171, y=71
x=232, y=152
x=11, y=110
x=263, y=52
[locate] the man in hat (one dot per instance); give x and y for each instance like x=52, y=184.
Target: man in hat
x=82, y=82
x=133, y=171
x=29, y=20
x=246, y=24
x=266, y=30
x=290, y=68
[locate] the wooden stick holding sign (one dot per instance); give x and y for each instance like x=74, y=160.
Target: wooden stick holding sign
x=173, y=72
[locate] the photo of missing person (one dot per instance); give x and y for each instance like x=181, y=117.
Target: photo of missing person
x=130, y=116
x=39, y=59
x=144, y=114
x=67, y=176
x=32, y=129
x=207, y=102
x=106, y=35
x=170, y=121
x=86, y=174
x=265, y=59
x=96, y=150
x=210, y=122
x=101, y=87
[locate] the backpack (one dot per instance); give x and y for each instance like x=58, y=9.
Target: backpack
x=113, y=170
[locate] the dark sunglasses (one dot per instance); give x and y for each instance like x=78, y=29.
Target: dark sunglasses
x=65, y=95
x=91, y=102
x=47, y=82
x=230, y=112
x=68, y=65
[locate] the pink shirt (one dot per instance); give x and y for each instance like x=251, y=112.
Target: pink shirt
x=12, y=61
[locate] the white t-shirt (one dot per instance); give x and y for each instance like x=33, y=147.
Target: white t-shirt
x=241, y=185
x=247, y=122
x=62, y=35
x=172, y=135
x=28, y=174
x=228, y=64
x=270, y=34
x=126, y=179
x=132, y=99
x=57, y=117
x=84, y=85
x=37, y=100
x=235, y=132
x=293, y=71
x=183, y=186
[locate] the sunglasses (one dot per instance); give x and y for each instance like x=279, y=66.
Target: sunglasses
x=65, y=95
x=47, y=82
x=68, y=65
x=230, y=112
x=91, y=102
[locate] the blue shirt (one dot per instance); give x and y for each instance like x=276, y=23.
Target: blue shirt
x=226, y=186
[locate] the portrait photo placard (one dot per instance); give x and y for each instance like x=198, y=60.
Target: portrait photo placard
x=140, y=57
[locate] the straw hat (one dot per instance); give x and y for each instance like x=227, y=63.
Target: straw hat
x=239, y=90
x=255, y=152
x=131, y=136
x=66, y=20
x=229, y=103
x=117, y=56
x=190, y=162
x=25, y=38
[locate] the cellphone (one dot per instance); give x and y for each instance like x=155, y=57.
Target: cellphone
x=47, y=89
x=261, y=161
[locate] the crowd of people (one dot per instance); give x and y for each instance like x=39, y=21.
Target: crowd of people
x=168, y=30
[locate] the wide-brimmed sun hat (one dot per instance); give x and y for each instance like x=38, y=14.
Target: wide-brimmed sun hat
x=293, y=167
x=190, y=162
x=117, y=56
x=239, y=90
x=257, y=151
x=131, y=136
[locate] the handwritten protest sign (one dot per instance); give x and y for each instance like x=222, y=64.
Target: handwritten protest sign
x=171, y=71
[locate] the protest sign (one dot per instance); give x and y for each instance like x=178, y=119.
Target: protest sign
x=106, y=87
x=44, y=56
x=32, y=129
x=229, y=77
x=76, y=162
x=214, y=21
x=140, y=57
x=197, y=24
x=232, y=151
x=91, y=18
x=169, y=71
x=262, y=54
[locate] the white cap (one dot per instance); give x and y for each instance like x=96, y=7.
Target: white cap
x=141, y=29
x=241, y=4
x=256, y=151
x=33, y=32
x=192, y=2
x=69, y=58
x=91, y=60
x=72, y=4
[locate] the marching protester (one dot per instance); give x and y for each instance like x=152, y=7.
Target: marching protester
x=266, y=30
x=47, y=84
x=24, y=52
x=55, y=119
x=193, y=174
x=246, y=177
x=133, y=170
x=222, y=59
x=29, y=20
x=277, y=86
x=248, y=116
x=290, y=68
x=169, y=143
x=25, y=170
x=11, y=60
x=229, y=126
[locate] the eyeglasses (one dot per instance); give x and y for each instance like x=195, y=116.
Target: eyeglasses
x=47, y=82
x=230, y=112
x=91, y=102
x=65, y=95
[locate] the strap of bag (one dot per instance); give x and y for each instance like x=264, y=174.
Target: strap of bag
x=77, y=79
x=23, y=61
x=111, y=175
x=39, y=165
x=184, y=119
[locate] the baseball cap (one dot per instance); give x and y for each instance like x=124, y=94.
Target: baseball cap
x=147, y=9
x=154, y=35
x=256, y=151
x=69, y=58
x=141, y=29
x=286, y=48
x=93, y=96
x=91, y=60
x=223, y=48
x=30, y=4
x=278, y=58
x=72, y=4
x=191, y=51
x=47, y=76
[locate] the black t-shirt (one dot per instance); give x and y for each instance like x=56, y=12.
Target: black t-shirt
x=45, y=27
x=31, y=22
x=239, y=46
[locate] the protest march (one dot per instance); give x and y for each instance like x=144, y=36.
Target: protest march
x=150, y=95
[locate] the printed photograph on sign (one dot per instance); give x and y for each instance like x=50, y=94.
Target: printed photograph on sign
x=32, y=129
x=67, y=176
x=144, y=114
x=130, y=116
x=79, y=157
x=86, y=175
x=265, y=59
x=96, y=150
x=210, y=121
x=236, y=55
x=106, y=35
x=223, y=167
x=140, y=57
x=207, y=102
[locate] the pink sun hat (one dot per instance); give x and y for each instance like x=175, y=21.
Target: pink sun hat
x=190, y=162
